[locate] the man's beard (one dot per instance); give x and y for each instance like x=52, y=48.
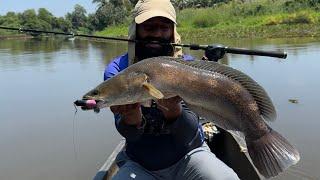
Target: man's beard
x=143, y=51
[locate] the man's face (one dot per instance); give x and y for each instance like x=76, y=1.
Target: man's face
x=154, y=29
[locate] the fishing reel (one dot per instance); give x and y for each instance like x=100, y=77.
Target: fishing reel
x=214, y=53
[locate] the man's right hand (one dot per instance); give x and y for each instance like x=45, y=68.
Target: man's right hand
x=130, y=113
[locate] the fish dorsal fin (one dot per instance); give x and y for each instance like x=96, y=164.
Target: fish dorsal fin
x=265, y=104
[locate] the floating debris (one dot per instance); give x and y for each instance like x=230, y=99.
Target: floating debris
x=294, y=101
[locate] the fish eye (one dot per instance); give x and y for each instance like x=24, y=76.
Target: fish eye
x=95, y=92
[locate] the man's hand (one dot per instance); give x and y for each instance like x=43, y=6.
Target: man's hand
x=131, y=113
x=171, y=107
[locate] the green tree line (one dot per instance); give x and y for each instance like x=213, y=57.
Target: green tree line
x=108, y=12
x=42, y=19
x=114, y=12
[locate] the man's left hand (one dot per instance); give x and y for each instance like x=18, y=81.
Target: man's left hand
x=214, y=52
x=170, y=107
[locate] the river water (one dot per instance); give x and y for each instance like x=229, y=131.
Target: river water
x=41, y=136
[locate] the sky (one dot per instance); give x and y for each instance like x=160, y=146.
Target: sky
x=56, y=7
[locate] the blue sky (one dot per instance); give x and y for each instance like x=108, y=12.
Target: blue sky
x=56, y=7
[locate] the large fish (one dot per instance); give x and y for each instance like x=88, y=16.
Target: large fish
x=228, y=97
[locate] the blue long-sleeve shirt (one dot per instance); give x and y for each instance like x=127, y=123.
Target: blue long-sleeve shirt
x=158, y=144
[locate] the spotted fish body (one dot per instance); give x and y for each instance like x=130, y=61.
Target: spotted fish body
x=228, y=97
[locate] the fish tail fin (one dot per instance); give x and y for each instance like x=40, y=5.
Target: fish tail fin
x=272, y=154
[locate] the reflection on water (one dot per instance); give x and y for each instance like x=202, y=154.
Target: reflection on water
x=21, y=53
x=41, y=138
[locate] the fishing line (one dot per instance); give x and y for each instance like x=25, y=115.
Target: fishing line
x=75, y=106
x=74, y=139
x=73, y=136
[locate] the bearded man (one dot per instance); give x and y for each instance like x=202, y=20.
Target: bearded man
x=164, y=141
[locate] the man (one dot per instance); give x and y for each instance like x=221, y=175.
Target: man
x=164, y=141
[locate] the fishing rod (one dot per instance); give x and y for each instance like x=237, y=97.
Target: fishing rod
x=218, y=49
x=64, y=33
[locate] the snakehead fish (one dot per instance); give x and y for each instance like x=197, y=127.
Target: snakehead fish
x=226, y=96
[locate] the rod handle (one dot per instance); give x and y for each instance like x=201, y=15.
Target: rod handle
x=277, y=54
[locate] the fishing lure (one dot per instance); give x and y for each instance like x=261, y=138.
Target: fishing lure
x=87, y=105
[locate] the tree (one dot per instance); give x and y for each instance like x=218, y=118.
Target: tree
x=45, y=15
x=11, y=19
x=78, y=17
x=61, y=24
x=110, y=12
x=29, y=19
x=103, y=17
x=92, y=22
x=133, y=2
x=37, y=24
x=100, y=3
x=28, y=16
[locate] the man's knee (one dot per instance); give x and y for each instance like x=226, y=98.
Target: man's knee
x=202, y=164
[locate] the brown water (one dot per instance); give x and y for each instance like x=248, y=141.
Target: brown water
x=41, y=138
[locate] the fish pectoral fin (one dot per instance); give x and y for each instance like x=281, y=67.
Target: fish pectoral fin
x=153, y=91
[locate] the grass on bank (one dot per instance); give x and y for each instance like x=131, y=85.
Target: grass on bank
x=264, y=18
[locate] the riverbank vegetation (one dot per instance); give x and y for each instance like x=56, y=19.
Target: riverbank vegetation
x=221, y=18
x=262, y=18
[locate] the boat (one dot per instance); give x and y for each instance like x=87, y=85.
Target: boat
x=223, y=144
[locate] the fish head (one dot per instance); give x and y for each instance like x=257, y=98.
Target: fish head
x=124, y=88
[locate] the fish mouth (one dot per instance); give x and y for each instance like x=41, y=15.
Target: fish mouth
x=99, y=103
